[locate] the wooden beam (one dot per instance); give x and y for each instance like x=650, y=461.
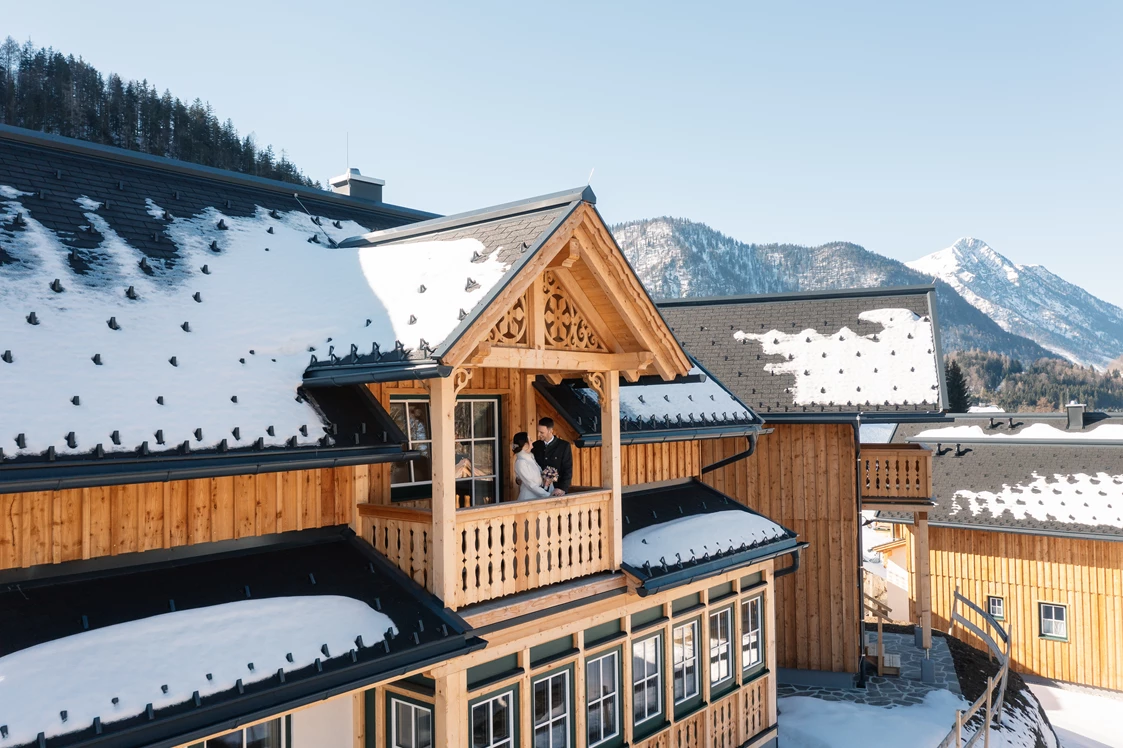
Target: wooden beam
x=450, y=716
x=770, y=626
x=578, y=296
x=559, y=360
x=923, y=579
x=518, y=608
x=572, y=254
x=898, y=506
x=529, y=403
x=442, y=404
x=554, y=378
x=609, y=390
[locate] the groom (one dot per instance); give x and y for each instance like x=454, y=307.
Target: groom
x=555, y=452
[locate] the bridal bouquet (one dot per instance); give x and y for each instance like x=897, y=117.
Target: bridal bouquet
x=549, y=475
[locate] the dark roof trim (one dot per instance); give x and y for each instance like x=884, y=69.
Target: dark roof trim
x=938, y=349
x=848, y=293
x=1015, y=442
x=865, y=416
x=483, y=215
x=56, y=476
x=345, y=374
x=716, y=566
x=673, y=435
x=135, y=158
x=1015, y=530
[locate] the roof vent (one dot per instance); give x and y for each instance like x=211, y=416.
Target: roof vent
x=353, y=184
x=1075, y=413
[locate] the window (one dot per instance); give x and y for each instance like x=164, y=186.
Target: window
x=411, y=725
x=476, y=428
x=1054, y=621
x=721, y=646
x=752, y=641
x=264, y=735
x=603, y=696
x=996, y=606
x=551, y=711
x=493, y=723
x=685, y=659
x=647, y=689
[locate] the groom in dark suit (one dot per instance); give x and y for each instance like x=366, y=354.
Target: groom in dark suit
x=555, y=452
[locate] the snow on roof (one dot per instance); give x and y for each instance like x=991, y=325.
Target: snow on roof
x=115, y=672
x=893, y=366
x=698, y=535
x=688, y=399
x=1036, y=432
x=985, y=409
x=216, y=339
x=1077, y=498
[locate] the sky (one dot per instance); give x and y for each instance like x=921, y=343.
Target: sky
x=897, y=126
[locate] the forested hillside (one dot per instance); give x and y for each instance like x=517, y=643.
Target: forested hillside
x=1044, y=385
x=43, y=89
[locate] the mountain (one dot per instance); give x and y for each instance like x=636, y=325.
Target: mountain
x=1030, y=301
x=675, y=257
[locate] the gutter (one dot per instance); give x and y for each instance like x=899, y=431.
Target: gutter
x=672, y=435
x=348, y=374
x=87, y=474
x=1014, y=530
x=739, y=456
x=867, y=416
x=707, y=569
x=857, y=424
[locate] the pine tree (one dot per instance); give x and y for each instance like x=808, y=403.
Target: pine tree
x=41, y=89
x=959, y=399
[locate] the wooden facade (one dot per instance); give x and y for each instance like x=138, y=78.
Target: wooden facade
x=1025, y=570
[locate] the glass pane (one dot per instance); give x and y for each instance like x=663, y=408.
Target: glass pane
x=594, y=724
x=610, y=715
x=423, y=465
x=419, y=422
x=680, y=685
x=542, y=737
x=540, y=712
x=609, y=674
x=501, y=718
x=231, y=740
x=557, y=697
x=652, y=695
x=485, y=458
x=479, y=726
x=265, y=735
x=424, y=729
x=464, y=460
x=484, y=418
x=398, y=413
x=638, y=711
x=463, y=420
x=592, y=675
x=558, y=734
x=403, y=725
x=399, y=473
x=484, y=491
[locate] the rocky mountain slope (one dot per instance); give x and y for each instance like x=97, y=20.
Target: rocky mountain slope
x=1030, y=301
x=675, y=257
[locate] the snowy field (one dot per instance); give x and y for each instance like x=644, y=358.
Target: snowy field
x=807, y=722
x=1082, y=719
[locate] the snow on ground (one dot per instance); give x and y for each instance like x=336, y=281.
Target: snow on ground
x=672, y=399
x=265, y=302
x=203, y=649
x=1086, y=499
x=807, y=722
x=1082, y=718
x=895, y=365
x=716, y=532
x=1036, y=432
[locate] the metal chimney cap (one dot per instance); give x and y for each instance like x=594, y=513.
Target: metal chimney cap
x=353, y=175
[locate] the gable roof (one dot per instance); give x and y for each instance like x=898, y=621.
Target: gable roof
x=1033, y=477
x=820, y=355
x=696, y=406
x=165, y=647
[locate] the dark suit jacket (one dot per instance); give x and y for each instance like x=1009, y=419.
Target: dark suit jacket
x=558, y=455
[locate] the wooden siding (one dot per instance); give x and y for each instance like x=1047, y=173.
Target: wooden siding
x=803, y=477
x=49, y=527
x=1085, y=575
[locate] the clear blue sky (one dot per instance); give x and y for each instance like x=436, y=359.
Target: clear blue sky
x=898, y=125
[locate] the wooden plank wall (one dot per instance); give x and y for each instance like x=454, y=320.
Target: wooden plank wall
x=1085, y=575
x=48, y=527
x=803, y=477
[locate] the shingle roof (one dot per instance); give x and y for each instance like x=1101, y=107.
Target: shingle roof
x=1068, y=488
x=84, y=598
x=874, y=351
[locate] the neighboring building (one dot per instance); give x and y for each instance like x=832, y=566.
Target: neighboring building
x=256, y=480
x=1028, y=524
x=816, y=366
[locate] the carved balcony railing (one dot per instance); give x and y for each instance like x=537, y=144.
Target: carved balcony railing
x=901, y=471
x=403, y=536
x=518, y=546
x=729, y=721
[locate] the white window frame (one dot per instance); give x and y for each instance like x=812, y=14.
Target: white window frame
x=646, y=678
x=280, y=726
x=415, y=710
x=410, y=441
x=991, y=600
x=680, y=664
x=507, y=742
x=597, y=701
x=721, y=651
x=752, y=636
x=1042, y=607
x=549, y=720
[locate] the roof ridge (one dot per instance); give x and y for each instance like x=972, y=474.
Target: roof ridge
x=844, y=293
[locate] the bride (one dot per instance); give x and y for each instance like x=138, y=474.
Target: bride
x=527, y=471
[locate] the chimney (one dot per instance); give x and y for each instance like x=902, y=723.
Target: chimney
x=353, y=184
x=1075, y=412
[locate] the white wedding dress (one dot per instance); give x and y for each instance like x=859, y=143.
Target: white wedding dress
x=530, y=477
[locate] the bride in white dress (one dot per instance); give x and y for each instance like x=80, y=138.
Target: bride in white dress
x=527, y=471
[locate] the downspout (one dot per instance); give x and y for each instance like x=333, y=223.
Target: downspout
x=857, y=424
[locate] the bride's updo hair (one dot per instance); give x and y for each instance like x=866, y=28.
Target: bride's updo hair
x=519, y=441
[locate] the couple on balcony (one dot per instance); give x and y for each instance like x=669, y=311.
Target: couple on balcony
x=544, y=468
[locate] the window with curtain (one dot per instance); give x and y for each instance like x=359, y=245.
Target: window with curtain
x=685, y=659
x=602, y=719
x=1054, y=621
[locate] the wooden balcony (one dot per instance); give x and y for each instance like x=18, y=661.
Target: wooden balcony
x=896, y=471
x=501, y=549
x=739, y=718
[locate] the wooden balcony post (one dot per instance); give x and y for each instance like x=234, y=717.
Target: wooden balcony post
x=442, y=404
x=923, y=578
x=450, y=718
x=607, y=386
x=770, y=638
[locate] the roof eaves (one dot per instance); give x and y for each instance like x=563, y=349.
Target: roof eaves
x=655, y=436
x=938, y=350
x=894, y=520
x=715, y=566
x=345, y=374
x=849, y=293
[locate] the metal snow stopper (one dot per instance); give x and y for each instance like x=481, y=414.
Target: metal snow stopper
x=234, y=398
x=112, y=322
x=222, y=224
x=214, y=246
x=148, y=711
x=115, y=437
x=198, y=435
x=173, y=361
x=461, y=315
x=131, y=293
x=471, y=285
x=197, y=296
x=159, y=436
x=7, y=357
x=32, y=319
x=76, y=400
x=56, y=286
x=145, y=266
x=324, y=649
x=270, y=430
x=412, y=319
x=186, y=326
x=195, y=698
x=237, y=433
x=206, y=270
x=71, y=441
